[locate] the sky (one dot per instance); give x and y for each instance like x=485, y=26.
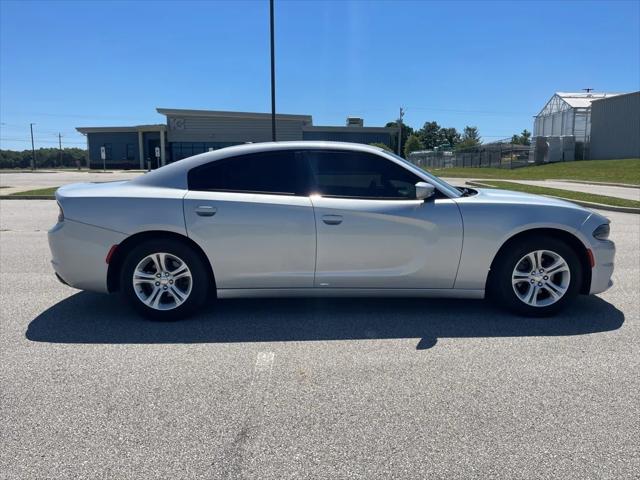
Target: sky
x=65, y=64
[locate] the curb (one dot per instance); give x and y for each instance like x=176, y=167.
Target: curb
x=608, y=184
x=9, y=170
x=599, y=206
x=27, y=197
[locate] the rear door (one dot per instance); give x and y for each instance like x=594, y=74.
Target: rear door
x=372, y=232
x=253, y=216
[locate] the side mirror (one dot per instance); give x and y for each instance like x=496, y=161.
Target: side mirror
x=424, y=190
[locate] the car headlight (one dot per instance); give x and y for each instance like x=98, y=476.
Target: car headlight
x=602, y=232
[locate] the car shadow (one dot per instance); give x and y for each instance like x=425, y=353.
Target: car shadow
x=94, y=318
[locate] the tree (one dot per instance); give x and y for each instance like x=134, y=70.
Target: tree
x=431, y=135
x=451, y=135
x=413, y=145
x=523, y=139
x=406, y=132
x=470, y=138
x=384, y=146
x=46, y=158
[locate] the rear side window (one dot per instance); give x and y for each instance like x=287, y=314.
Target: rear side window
x=281, y=172
x=360, y=175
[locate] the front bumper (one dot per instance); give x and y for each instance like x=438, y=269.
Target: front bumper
x=78, y=254
x=604, y=252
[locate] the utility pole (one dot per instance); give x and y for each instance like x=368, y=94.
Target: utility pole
x=60, y=149
x=33, y=149
x=400, y=132
x=273, y=75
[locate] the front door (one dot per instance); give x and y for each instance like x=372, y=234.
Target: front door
x=151, y=153
x=373, y=233
x=254, y=219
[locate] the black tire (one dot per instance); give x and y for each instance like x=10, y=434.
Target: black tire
x=503, y=292
x=197, y=287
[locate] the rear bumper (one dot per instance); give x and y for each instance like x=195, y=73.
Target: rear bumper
x=61, y=280
x=78, y=254
x=604, y=252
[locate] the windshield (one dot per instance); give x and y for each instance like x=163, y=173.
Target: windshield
x=450, y=190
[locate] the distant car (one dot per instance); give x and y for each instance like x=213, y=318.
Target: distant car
x=322, y=219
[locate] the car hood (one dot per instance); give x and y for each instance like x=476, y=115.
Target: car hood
x=490, y=195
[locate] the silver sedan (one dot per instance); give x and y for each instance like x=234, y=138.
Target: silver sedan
x=322, y=219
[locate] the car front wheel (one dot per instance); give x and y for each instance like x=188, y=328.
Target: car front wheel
x=164, y=279
x=537, y=277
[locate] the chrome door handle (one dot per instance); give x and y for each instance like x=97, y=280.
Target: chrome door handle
x=206, y=211
x=332, y=219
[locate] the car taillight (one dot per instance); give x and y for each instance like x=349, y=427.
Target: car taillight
x=60, y=214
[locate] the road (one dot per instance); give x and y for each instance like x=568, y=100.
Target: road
x=322, y=389
x=629, y=193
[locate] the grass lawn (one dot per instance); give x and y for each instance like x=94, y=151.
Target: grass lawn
x=556, y=192
x=40, y=191
x=616, y=171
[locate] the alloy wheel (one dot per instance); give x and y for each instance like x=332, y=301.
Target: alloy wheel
x=541, y=278
x=162, y=281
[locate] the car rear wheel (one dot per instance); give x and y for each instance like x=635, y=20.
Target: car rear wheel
x=164, y=279
x=537, y=277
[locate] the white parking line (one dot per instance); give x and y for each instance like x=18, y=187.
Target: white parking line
x=259, y=389
x=264, y=362
x=249, y=438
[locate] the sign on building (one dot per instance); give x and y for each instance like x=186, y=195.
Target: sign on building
x=176, y=123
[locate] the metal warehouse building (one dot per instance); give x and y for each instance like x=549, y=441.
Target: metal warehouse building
x=189, y=132
x=615, y=127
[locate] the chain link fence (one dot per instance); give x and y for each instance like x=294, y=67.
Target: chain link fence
x=495, y=155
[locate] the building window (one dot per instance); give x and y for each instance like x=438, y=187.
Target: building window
x=180, y=150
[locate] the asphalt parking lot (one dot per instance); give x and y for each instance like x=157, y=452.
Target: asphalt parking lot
x=279, y=389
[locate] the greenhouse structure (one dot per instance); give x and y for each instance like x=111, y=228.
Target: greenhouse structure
x=567, y=114
x=562, y=129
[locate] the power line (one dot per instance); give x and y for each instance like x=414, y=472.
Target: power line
x=14, y=130
x=362, y=111
x=26, y=140
x=72, y=115
x=485, y=112
x=352, y=110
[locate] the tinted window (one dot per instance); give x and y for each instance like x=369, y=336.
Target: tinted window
x=359, y=174
x=267, y=172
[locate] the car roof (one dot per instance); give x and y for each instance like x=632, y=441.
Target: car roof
x=174, y=175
